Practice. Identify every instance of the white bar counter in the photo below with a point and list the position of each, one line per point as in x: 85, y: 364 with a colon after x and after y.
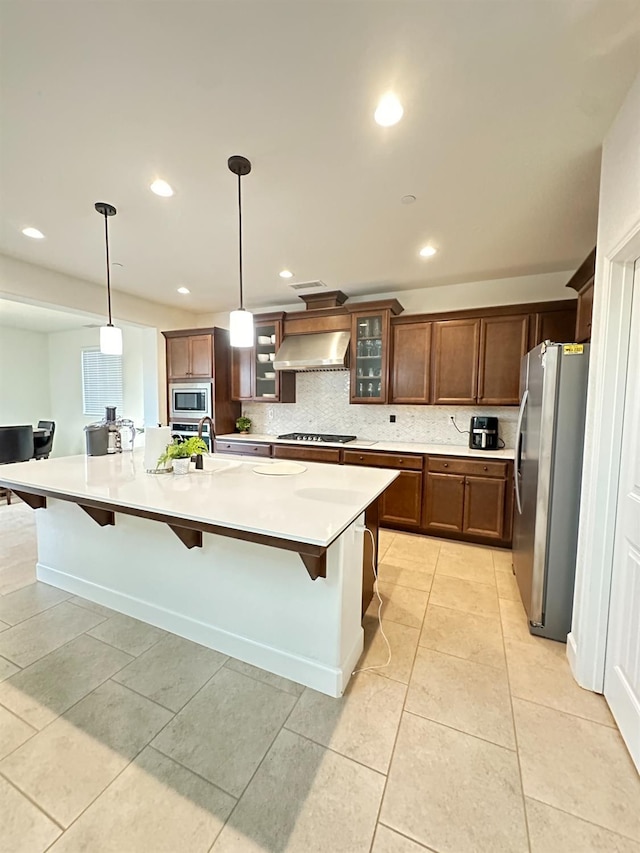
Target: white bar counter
x: 112, y: 533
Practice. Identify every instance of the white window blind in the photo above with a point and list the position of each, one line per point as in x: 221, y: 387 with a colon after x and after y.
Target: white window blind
x: 101, y: 381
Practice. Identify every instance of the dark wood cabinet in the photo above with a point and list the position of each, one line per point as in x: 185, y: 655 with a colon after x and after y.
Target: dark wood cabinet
x: 468, y: 497
x: 585, y: 312
x: 444, y: 504
x: 190, y: 357
x: 582, y: 282
x: 370, y: 356
x: 454, y: 361
x: 204, y: 354
x: 307, y: 454
x: 503, y: 342
x: 242, y: 448
x: 558, y: 326
x: 402, y: 500
x: 484, y: 507
x: 253, y: 376
x: 411, y: 363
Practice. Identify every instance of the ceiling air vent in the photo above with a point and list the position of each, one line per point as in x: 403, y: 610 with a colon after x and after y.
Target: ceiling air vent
x: 307, y: 285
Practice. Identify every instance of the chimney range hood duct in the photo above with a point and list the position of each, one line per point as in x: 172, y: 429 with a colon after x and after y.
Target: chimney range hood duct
x: 322, y: 351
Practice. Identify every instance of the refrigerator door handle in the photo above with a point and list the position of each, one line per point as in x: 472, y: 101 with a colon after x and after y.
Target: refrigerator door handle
x: 518, y: 465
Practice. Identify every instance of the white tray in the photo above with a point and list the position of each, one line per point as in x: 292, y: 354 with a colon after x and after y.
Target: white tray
x: 280, y: 468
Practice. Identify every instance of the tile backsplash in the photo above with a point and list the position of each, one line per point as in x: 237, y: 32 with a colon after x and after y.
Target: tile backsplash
x: 323, y: 406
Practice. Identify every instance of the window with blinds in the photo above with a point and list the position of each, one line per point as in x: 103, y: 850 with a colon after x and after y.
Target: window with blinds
x: 101, y: 381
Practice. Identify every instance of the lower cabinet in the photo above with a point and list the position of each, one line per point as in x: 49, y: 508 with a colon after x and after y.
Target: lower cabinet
x: 242, y: 448
x: 469, y: 498
x: 402, y: 501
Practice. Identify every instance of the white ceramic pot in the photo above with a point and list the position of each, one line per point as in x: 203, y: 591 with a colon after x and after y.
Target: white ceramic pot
x: 181, y: 466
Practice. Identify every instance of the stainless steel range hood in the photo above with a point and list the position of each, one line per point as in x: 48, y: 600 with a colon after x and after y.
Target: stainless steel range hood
x: 322, y: 351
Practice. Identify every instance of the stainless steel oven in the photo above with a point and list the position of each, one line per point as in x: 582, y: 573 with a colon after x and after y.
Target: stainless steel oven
x: 192, y: 400
x: 190, y: 430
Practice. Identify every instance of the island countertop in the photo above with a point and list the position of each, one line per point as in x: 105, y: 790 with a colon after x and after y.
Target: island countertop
x: 313, y: 507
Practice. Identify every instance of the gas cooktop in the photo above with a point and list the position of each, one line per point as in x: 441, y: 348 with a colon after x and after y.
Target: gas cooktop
x: 318, y: 436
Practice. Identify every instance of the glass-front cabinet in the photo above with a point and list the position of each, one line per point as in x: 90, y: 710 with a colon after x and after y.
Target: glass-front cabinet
x: 369, y: 357
x: 253, y: 376
x: 266, y: 344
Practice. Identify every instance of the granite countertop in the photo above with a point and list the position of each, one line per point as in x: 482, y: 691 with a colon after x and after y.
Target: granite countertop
x: 422, y: 448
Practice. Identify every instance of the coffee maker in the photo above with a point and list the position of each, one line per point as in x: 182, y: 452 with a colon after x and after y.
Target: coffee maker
x: 483, y: 433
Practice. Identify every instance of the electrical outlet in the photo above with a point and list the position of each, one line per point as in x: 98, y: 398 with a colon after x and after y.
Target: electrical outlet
x: 392, y: 419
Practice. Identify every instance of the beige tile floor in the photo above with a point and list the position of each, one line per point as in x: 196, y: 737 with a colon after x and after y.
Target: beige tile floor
x: 116, y: 736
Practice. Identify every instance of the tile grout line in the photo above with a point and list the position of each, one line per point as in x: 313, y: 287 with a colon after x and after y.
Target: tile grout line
x: 515, y: 732
x: 261, y: 762
x: 511, y: 749
x: 585, y: 820
x: 402, y: 712
x: 38, y: 612
x: 35, y: 804
x: 259, y: 680
x: 612, y: 728
x: 408, y: 837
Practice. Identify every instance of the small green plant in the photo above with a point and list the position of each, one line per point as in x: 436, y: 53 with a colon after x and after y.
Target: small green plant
x: 243, y: 424
x: 183, y: 449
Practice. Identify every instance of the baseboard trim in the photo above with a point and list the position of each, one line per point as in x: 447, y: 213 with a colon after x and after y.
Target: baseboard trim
x: 330, y: 680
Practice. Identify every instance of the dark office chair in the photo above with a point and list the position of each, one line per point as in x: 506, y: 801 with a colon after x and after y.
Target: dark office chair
x: 43, y: 443
x: 16, y: 445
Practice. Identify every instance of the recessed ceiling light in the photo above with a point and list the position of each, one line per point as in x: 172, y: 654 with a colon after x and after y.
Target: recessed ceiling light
x: 407, y: 199
x: 160, y: 187
x: 286, y: 274
x: 33, y: 232
x: 427, y: 251
x: 389, y: 110
x: 183, y: 290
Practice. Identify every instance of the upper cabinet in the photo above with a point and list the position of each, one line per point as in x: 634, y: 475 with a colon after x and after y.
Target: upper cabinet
x: 558, y: 326
x: 411, y: 363
x: 582, y: 281
x: 189, y: 356
x: 370, y: 356
x: 454, y: 361
x: 503, y: 342
x: 253, y: 376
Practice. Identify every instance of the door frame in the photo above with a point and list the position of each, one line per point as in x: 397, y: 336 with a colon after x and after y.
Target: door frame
x: 611, y: 329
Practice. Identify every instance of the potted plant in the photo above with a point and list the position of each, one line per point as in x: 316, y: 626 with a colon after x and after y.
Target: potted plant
x: 243, y: 425
x: 179, y: 452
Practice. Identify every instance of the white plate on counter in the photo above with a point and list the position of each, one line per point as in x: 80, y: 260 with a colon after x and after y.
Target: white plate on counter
x: 280, y: 468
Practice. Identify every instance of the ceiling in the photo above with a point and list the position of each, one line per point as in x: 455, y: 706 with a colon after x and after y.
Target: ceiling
x: 506, y: 106
x: 36, y: 318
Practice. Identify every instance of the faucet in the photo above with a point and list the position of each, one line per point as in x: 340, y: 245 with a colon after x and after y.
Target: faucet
x: 212, y: 438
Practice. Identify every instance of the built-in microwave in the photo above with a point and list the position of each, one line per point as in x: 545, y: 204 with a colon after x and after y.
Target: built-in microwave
x: 192, y: 400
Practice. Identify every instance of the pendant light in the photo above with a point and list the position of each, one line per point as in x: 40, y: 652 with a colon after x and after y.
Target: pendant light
x: 110, y: 335
x: 240, y: 321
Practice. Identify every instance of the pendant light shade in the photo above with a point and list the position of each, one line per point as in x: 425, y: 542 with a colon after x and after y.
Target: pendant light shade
x: 110, y: 335
x: 241, y: 328
x: 110, y: 340
x: 240, y: 321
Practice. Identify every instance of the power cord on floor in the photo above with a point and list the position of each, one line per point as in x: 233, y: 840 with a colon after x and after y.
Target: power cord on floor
x: 374, y: 564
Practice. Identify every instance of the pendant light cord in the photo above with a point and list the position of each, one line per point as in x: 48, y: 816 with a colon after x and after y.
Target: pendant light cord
x: 106, y: 237
x: 240, y: 240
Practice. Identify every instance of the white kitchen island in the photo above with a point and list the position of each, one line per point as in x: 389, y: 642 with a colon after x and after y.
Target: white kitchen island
x: 267, y: 569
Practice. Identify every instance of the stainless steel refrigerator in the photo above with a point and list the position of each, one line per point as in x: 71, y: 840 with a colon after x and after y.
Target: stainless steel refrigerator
x: 548, y: 474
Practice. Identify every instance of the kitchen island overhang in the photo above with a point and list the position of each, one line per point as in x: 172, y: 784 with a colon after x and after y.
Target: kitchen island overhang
x: 116, y: 535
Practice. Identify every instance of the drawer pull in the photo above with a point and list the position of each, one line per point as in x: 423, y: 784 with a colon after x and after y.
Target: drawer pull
x: 445, y: 464
x: 484, y: 468
x: 361, y: 457
x: 400, y: 461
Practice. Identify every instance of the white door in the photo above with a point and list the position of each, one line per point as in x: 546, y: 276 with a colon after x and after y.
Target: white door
x: 622, y: 666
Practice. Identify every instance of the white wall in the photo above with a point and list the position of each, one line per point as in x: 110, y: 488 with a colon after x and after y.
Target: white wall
x: 618, y: 222
x: 31, y: 283
x: 451, y: 297
x: 24, y: 377
x: 65, y: 382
